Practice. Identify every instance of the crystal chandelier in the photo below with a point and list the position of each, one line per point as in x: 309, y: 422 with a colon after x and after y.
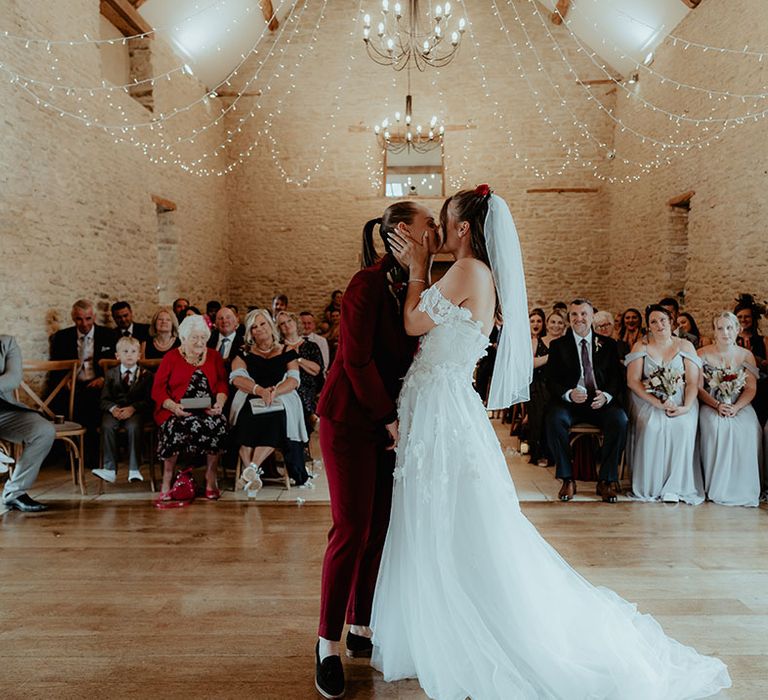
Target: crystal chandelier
x: 400, y: 134
x: 400, y: 38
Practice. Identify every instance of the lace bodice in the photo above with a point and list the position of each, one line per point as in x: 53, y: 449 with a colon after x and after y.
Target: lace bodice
x: 454, y: 345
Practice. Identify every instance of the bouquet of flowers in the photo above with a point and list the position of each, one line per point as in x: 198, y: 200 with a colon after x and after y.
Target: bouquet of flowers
x: 663, y: 382
x: 725, y: 384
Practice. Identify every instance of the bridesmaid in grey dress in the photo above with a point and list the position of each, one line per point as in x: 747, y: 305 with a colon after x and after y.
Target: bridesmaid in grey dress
x: 729, y: 432
x: 661, y: 445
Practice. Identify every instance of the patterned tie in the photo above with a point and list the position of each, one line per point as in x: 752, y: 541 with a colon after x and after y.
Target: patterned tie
x: 589, y: 375
x: 127, y: 378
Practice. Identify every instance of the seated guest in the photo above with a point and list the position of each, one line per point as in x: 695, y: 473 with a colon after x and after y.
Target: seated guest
x: 585, y: 380
x: 749, y: 312
x: 125, y: 403
x: 663, y: 375
x: 617, y: 319
x: 88, y: 343
x: 336, y: 296
x: 226, y: 337
x: 560, y: 307
x: 240, y: 325
x: 266, y: 411
x: 180, y: 306
x: 310, y: 362
x: 689, y: 328
x: 671, y: 305
x: 539, y: 401
x: 729, y: 432
x: 163, y: 334
x: 194, y: 371
x: 192, y: 311
x: 332, y: 334
x: 555, y: 327
x: 211, y: 309
x: 24, y: 426
x: 122, y: 315
x: 279, y: 303
x: 631, y: 331
x: 602, y: 324
x: 309, y: 331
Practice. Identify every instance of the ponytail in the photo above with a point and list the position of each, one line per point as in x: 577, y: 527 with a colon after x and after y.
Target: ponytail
x: 370, y: 256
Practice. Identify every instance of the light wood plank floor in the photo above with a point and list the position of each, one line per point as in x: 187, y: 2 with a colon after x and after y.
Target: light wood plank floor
x: 219, y: 600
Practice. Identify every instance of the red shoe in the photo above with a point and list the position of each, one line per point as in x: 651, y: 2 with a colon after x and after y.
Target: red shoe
x: 213, y: 494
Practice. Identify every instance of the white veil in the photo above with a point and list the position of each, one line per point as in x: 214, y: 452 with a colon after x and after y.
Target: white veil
x: 513, y: 369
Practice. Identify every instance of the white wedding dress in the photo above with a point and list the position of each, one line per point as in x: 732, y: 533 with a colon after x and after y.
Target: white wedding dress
x: 470, y: 599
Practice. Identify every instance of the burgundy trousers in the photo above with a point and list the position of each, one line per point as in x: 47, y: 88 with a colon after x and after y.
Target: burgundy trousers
x: 359, y: 471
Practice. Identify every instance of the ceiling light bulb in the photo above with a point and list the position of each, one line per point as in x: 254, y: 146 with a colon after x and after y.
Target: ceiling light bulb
x: 455, y: 38
x: 367, y: 20
x: 397, y: 116
x: 462, y: 24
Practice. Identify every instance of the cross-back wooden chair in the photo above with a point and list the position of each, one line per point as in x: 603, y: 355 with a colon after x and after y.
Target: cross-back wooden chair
x: 149, y: 426
x: 71, y: 433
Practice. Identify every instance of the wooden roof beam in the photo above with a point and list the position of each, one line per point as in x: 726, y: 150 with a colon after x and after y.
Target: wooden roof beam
x: 693, y: 4
x: 124, y: 17
x: 269, y: 15
x: 580, y: 190
x: 561, y: 11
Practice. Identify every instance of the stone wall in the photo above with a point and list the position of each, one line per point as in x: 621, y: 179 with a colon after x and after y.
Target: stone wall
x: 76, y: 214
x: 727, y: 239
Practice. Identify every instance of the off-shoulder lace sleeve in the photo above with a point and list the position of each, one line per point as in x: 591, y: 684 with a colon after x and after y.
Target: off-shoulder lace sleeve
x: 751, y: 368
x: 634, y: 356
x: 436, y: 306
x: 692, y: 357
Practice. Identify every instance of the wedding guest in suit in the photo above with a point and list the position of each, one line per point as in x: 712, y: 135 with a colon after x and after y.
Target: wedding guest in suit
x: 309, y: 331
x: 310, y: 362
x: 585, y: 380
x: 125, y: 403
x: 556, y: 326
x: 358, y: 431
x: 163, y: 334
x: 730, y: 438
x: 539, y: 401
x: 663, y: 375
x: 194, y: 371
x: 226, y: 337
x: 22, y: 425
x: 602, y: 324
x: 122, y: 315
x: 88, y: 343
x: 268, y: 372
x: 631, y: 331
x: 180, y: 307
x: 279, y: 303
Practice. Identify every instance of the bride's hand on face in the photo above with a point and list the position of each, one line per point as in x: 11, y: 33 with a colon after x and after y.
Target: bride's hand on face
x: 409, y: 253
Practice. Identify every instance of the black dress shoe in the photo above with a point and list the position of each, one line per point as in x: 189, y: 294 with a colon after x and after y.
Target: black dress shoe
x: 25, y: 503
x: 329, y: 675
x: 358, y: 646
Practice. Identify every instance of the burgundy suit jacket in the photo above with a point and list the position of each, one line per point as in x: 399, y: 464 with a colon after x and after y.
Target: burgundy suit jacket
x: 373, y: 355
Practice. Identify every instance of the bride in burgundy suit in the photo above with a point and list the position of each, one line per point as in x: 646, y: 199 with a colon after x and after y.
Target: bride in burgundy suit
x: 358, y: 431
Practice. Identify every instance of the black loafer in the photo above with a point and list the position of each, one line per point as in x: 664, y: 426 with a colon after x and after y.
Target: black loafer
x: 329, y: 675
x: 358, y: 647
x: 26, y: 503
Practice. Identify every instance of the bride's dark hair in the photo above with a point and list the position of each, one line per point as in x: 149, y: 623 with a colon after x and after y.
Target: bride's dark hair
x: 399, y: 212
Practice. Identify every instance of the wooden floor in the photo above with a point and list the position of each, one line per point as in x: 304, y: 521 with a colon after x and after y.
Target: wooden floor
x: 220, y: 600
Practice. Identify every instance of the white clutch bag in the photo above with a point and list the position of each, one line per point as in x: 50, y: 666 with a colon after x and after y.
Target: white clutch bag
x: 193, y: 404
x: 258, y: 406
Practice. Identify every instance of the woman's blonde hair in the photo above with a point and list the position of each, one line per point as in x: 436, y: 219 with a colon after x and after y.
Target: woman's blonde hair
x: 291, y: 316
x: 249, y: 321
x: 174, y: 321
x: 729, y: 317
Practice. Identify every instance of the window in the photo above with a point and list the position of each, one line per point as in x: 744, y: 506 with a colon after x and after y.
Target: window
x: 412, y: 174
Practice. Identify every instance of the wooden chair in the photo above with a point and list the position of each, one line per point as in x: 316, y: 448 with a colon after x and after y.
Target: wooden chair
x: 71, y: 433
x: 579, y: 430
x: 149, y: 429
x: 239, y: 469
x: 10, y: 449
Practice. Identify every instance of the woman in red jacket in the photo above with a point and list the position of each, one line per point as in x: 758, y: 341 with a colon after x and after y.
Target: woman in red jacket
x: 358, y: 430
x: 193, y: 371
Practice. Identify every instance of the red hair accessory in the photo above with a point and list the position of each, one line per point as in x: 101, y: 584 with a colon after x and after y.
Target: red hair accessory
x: 483, y: 190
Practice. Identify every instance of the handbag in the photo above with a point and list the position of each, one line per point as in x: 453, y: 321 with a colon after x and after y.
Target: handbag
x: 182, y: 492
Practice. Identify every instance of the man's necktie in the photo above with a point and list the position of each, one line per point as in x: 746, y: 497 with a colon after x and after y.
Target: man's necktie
x: 127, y: 378
x: 589, y: 375
x: 223, y: 346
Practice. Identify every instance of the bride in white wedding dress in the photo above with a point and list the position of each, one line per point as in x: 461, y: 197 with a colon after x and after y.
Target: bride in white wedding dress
x: 470, y: 599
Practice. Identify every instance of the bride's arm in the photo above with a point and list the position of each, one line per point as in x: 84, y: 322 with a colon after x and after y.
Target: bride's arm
x: 415, y: 258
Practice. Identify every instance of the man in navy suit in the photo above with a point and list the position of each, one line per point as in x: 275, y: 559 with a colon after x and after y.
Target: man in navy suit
x: 125, y: 326
x: 586, y: 382
x: 87, y: 343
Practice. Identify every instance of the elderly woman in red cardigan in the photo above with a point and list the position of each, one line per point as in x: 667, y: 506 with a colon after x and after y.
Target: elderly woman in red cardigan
x: 193, y: 371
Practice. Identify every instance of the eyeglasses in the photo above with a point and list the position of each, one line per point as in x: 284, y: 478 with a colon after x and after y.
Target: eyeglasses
x: 607, y: 324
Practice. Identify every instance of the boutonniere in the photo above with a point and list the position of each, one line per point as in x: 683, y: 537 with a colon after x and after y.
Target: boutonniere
x: 598, y: 344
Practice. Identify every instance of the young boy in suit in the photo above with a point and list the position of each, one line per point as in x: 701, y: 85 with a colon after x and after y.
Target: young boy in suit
x: 125, y: 402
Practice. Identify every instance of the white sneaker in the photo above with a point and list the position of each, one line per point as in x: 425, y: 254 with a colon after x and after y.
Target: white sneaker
x: 105, y: 474
x: 135, y: 476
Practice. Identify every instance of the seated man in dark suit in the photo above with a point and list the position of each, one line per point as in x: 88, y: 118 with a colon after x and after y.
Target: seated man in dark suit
x: 226, y: 337
x: 22, y: 425
x: 586, y: 382
x: 125, y: 326
x: 88, y: 343
x: 125, y: 402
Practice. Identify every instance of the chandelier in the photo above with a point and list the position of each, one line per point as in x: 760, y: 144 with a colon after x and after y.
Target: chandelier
x: 400, y: 134
x: 400, y: 39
